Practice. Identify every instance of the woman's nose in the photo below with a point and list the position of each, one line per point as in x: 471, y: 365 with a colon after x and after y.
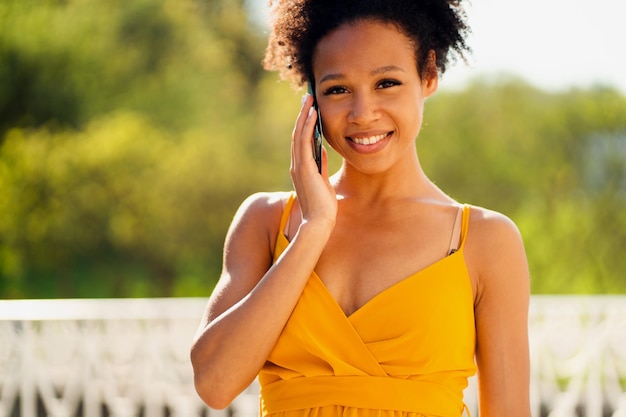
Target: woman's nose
x: 363, y: 109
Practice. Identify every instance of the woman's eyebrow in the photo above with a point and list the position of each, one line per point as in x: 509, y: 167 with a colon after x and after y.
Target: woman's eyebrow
x: 375, y: 71
x: 386, y: 68
x: 332, y: 77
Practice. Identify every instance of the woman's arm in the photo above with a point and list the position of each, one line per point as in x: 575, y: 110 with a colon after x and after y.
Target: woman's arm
x: 501, y: 313
x: 251, y: 303
x: 253, y: 298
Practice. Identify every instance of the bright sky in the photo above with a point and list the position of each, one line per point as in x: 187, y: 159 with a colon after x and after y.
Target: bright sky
x: 553, y: 44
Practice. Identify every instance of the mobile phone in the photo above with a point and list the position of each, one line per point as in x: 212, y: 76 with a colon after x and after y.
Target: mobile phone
x: 318, y: 135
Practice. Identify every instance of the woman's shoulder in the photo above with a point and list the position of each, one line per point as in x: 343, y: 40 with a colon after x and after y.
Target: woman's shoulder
x: 261, y: 203
x: 254, y: 228
x: 494, y: 246
x: 491, y: 232
x: 489, y: 222
x: 262, y: 208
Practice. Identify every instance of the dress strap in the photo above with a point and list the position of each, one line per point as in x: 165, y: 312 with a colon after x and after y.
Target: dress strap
x: 284, y: 219
x: 459, y: 232
x: 467, y: 209
x: 456, y: 233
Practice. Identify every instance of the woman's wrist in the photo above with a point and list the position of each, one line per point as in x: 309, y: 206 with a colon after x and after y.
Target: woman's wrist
x: 316, y: 230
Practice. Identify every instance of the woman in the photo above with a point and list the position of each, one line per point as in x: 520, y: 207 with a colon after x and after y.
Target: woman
x: 370, y: 292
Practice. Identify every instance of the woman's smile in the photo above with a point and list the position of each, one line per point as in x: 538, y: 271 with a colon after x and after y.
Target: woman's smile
x: 369, y: 144
x: 369, y: 140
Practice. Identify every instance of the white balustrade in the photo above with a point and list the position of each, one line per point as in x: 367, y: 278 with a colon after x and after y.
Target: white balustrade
x: 130, y: 358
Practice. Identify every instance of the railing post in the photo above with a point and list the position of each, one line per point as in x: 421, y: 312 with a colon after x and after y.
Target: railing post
x: 91, y: 389
x: 28, y: 398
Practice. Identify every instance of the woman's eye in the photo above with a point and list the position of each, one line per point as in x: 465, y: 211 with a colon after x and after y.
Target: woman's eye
x: 335, y: 90
x: 388, y: 83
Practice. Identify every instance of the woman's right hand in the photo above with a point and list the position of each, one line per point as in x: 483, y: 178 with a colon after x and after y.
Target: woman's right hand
x: 316, y: 195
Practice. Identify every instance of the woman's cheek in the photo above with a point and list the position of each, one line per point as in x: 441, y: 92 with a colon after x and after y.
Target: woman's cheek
x: 331, y: 129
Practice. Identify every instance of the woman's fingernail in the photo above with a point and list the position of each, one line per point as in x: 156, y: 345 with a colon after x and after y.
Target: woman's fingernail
x: 304, y: 97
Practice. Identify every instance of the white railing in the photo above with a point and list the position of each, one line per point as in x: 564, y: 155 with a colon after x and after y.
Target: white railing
x: 129, y: 358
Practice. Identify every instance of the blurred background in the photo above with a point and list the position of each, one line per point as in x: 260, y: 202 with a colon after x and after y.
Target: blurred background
x: 131, y: 131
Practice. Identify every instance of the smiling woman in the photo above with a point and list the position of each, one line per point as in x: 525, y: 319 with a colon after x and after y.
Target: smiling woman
x: 370, y: 291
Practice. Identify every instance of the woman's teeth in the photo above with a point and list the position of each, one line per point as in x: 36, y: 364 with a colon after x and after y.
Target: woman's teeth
x: 369, y: 140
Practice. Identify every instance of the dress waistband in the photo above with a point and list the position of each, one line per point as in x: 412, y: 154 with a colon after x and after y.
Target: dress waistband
x: 378, y: 393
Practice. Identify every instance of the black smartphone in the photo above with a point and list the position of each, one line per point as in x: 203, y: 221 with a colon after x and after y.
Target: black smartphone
x: 318, y: 135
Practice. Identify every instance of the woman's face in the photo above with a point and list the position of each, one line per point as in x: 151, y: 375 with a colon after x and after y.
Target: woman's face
x: 370, y: 94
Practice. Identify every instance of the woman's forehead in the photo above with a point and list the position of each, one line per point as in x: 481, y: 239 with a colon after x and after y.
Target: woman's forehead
x: 372, y: 44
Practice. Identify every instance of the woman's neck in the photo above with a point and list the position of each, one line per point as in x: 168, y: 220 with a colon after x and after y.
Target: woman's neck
x: 405, y: 180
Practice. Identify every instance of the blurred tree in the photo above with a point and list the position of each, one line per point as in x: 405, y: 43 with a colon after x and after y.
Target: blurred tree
x: 142, y: 114
x: 231, y: 22
x: 120, y: 209
x: 68, y: 62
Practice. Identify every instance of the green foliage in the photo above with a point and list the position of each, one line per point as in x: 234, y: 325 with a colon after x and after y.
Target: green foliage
x: 68, y: 62
x: 129, y: 136
x: 131, y: 131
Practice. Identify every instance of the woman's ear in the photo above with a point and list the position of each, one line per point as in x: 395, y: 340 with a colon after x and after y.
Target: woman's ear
x: 430, y: 75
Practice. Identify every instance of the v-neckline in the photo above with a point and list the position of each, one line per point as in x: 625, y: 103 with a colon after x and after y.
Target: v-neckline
x: 383, y: 292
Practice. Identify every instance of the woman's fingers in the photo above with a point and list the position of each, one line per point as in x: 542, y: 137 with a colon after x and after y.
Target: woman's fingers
x: 302, y: 136
x: 325, y: 172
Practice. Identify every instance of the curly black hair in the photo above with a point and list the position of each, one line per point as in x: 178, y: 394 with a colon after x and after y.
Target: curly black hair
x: 298, y: 25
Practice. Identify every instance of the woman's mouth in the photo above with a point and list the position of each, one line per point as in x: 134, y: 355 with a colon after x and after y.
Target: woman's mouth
x: 369, y: 140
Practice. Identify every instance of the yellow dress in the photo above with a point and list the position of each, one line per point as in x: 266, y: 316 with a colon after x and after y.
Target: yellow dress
x: 406, y: 352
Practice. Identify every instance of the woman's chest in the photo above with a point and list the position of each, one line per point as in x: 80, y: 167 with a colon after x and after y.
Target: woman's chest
x: 362, y: 259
